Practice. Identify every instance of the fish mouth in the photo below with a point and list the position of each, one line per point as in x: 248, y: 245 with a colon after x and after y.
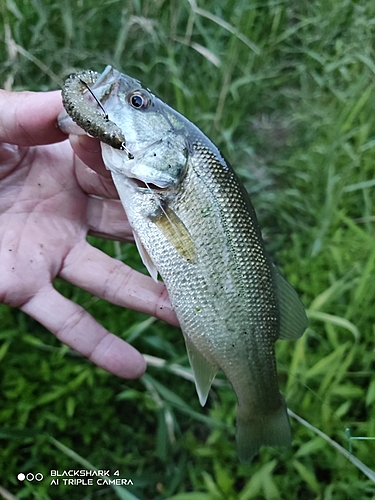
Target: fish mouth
x: 148, y: 186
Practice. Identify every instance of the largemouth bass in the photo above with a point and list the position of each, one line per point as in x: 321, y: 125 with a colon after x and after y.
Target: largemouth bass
x: 194, y: 224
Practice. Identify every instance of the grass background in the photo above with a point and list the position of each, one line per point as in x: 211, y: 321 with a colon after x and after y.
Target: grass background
x: 286, y: 90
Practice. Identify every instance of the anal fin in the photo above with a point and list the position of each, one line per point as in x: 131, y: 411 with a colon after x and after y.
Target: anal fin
x: 204, y: 371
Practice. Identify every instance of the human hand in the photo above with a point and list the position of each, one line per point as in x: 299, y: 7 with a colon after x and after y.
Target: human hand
x: 46, y: 211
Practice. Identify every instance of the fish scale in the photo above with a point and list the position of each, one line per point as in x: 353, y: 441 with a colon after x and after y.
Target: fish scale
x: 194, y: 224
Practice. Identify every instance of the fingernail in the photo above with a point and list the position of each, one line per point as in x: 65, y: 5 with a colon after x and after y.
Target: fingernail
x: 89, y: 144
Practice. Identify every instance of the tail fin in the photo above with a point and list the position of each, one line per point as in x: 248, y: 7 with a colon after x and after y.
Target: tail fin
x: 269, y: 430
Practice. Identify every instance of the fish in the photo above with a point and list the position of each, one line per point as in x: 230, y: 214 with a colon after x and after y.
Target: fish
x: 195, y: 226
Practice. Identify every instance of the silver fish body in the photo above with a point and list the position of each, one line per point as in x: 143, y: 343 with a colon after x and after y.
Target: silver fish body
x: 194, y: 224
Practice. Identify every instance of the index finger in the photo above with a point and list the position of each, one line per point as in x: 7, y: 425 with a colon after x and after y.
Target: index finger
x: 30, y: 118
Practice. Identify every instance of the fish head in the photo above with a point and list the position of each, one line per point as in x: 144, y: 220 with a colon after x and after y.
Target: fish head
x: 157, y: 147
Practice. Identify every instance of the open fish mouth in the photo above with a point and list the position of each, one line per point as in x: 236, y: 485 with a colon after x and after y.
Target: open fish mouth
x: 147, y: 186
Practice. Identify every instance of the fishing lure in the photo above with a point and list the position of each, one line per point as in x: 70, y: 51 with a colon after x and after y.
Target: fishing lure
x: 93, y: 121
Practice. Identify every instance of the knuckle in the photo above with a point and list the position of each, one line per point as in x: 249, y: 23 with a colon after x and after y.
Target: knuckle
x: 71, y: 323
x: 116, y: 283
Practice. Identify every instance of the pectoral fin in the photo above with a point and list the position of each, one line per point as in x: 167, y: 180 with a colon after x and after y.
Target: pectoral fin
x: 293, y: 319
x: 146, y: 259
x: 204, y: 371
x: 176, y: 233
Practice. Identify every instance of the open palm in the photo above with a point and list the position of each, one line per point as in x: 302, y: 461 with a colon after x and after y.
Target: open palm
x: 49, y: 201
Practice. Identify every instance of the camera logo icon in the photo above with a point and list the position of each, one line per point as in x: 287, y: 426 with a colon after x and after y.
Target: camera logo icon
x: 30, y: 476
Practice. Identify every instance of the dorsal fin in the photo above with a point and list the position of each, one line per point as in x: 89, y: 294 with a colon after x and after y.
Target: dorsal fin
x: 293, y: 319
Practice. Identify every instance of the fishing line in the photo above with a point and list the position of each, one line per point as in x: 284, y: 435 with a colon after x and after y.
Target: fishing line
x: 347, y: 453
x: 123, y: 145
x: 96, y: 99
x: 161, y: 206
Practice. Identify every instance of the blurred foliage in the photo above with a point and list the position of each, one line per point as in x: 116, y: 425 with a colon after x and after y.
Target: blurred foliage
x: 285, y: 89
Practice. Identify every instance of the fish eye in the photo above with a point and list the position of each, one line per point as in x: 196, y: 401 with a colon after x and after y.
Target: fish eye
x: 139, y: 100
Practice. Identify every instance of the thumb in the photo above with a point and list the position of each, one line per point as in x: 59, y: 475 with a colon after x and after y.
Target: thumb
x: 30, y: 118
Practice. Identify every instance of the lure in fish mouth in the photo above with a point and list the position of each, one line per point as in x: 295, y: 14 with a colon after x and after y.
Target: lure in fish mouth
x: 194, y: 224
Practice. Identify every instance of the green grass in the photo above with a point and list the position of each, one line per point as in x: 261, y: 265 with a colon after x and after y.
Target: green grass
x: 286, y: 90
